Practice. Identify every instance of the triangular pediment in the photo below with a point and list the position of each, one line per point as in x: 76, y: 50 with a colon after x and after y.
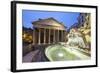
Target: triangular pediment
x: 49, y: 22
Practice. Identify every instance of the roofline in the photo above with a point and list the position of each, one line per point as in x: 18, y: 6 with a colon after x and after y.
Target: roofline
x: 49, y: 18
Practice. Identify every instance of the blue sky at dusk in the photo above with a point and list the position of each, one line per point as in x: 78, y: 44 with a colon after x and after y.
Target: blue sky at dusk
x: 67, y: 18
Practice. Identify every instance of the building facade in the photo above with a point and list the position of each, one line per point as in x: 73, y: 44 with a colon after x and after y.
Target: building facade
x: 48, y: 31
x: 86, y: 29
x: 84, y: 20
x: 27, y: 35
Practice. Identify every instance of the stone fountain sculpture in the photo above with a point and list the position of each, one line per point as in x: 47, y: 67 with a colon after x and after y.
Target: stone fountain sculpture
x: 75, y: 38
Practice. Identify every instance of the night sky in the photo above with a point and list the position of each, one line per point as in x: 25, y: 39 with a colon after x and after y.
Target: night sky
x: 67, y: 18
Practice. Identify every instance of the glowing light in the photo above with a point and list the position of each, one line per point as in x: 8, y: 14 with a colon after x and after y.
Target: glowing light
x: 60, y: 54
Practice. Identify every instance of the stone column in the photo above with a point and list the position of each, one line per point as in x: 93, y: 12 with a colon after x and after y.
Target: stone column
x: 54, y: 36
x: 44, y: 35
x: 39, y: 40
x: 49, y: 35
x: 58, y: 36
x: 34, y: 36
x: 62, y: 35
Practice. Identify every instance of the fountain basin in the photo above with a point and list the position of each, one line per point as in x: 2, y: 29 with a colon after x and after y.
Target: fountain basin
x: 60, y: 53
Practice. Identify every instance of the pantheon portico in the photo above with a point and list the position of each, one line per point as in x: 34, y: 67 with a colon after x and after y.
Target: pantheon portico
x: 48, y: 31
